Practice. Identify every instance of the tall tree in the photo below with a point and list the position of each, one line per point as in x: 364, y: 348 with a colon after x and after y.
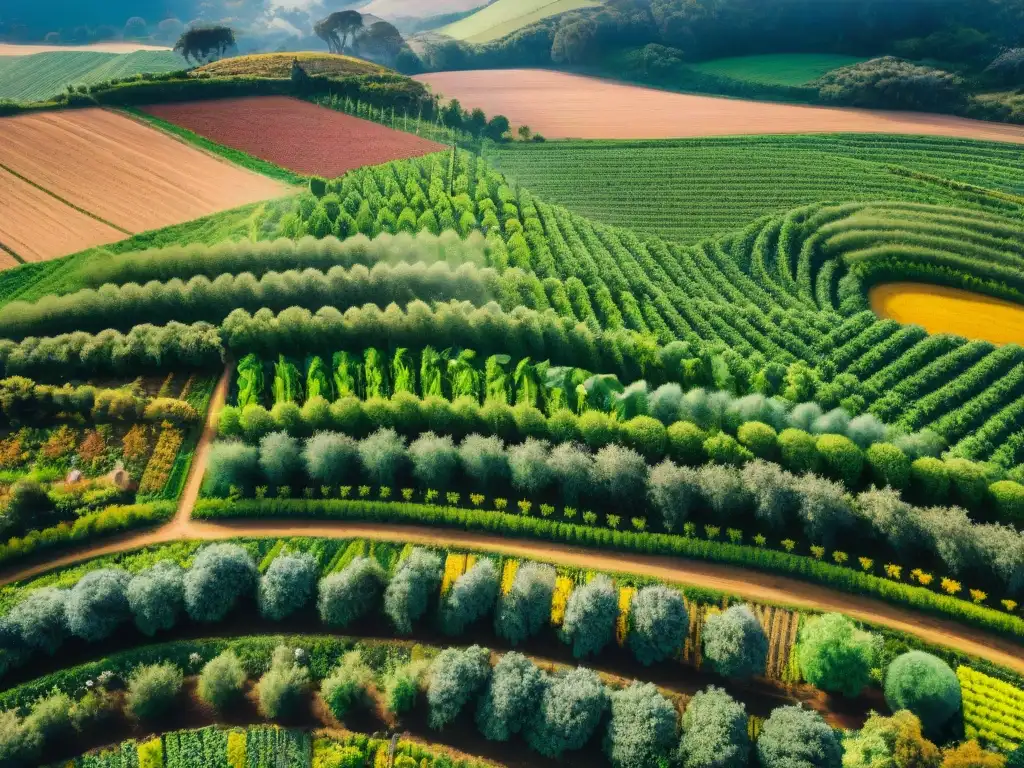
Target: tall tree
x: 205, y: 43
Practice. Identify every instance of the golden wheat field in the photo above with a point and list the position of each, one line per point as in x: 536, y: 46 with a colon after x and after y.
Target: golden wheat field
x: 949, y: 310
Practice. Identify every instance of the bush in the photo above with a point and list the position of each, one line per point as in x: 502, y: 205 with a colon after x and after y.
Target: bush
x: 152, y: 689
x: 841, y: 459
x: 724, y: 450
x: 674, y: 491
x: 528, y: 464
x: 20, y: 744
x: 969, y: 482
x: 573, y: 468
x: 714, y: 732
x: 526, y: 609
x: 471, y: 598
x: 570, y: 711
x: 231, y: 465
x: 970, y: 754
x: 40, y: 620
x: 686, y: 443
x: 287, y: 586
x: 220, y: 576
x: 331, y: 458
x: 457, y: 676
x: 895, y: 740
x: 402, y: 687
x: 1009, y: 499
x: 658, y: 624
x: 590, y: 615
x: 760, y: 439
x: 597, y: 429
x: 283, y: 686
x: 646, y: 435
x: 834, y: 655
x: 50, y: 716
x: 793, y: 737
x: 735, y: 644
x: 888, y: 465
x: 621, y: 473
x: 924, y: 685
x: 408, y: 595
x: 347, y: 686
x: 723, y: 490
x: 434, y: 460
x: 642, y: 729
x: 351, y: 593
x: 825, y: 509
x: 511, y: 699
x: 222, y: 681
x: 156, y: 597
x: 484, y: 461
x: 773, y: 493
x: 384, y: 456
x: 929, y: 480
x: 799, y: 451
x: 97, y: 604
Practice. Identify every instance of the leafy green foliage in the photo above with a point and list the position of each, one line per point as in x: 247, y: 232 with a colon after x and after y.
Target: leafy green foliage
x: 925, y: 685
x: 735, y: 644
x: 658, y: 624
x: 834, y: 655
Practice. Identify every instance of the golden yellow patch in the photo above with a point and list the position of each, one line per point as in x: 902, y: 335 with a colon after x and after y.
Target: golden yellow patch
x: 950, y: 310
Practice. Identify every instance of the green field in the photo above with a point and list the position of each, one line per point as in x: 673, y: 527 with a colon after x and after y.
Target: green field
x: 506, y: 16
x: 42, y: 76
x: 686, y: 190
x: 776, y: 68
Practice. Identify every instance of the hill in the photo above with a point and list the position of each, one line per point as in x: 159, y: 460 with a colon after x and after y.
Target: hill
x: 42, y: 76
x: 504, y: 17
x: 280, y: 65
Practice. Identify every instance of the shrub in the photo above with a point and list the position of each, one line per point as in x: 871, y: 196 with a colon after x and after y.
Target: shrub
x: 723, y: 490
x: 929, y: 480
x: 347, y: 686
x: 333, y: 755
x: 50, y: 716
x: 484, y: 461
x: 888, y: 465
x: 457, y: 676
x: 735, y: 644
x: 834, y: 655
x: 222, y: 681
x: 968, y: 481
x: 597, y: 429
x: 895, y: 740
x: 1009, y: 499
x: 525, y: 610
x: 825, y: 508
x: 351, y: 593
x: 793, y: 737
x: 255, y: 422
x: 231, y: 464
x: 686, y: 443
x: 724, y: 450
x: 20, y: 744
x: 408, y: 595
x: 220, y: 576
x: 384, y: 456
x: 573, y: 469
x: 646, y: 435
x: 799, y: 451
x: 511, y: 699
x: 621, y: 473
x: 714, y: 732
x: 287, y: 586
x: 658, y: 624
x: 528, y: 464
x: 773, y: 493
x: 434, y: 460
x: 152, y: 689
x: 924, y: 685
x: 156, y: 597
x: 674, y: 491
x: 760, y: 439
x: 642, y: 729
x: 402, y: 686
x: 471, y: 598
x: 570, y: 711
x: 971, y: 755
x: 97, y: 604
x: 331, y: 458
x: 39, y: 620
x: 841, y: 459
x: 590, y: 615
x: 283, y: 686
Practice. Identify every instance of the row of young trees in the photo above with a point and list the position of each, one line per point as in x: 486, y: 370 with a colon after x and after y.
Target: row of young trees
x: 615, y: 478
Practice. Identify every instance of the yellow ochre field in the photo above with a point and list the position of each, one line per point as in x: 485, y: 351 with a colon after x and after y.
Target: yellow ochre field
x: 950, y: 310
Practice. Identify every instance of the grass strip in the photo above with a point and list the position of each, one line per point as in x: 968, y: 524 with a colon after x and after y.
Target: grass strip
x: 68, y: 203
x: 235, y: 156
x: 509, y: 525
x: 12, y: 253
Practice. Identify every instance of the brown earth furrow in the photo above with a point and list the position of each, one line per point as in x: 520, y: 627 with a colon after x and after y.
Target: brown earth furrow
x: 124, y: 172
x: 561, y: 105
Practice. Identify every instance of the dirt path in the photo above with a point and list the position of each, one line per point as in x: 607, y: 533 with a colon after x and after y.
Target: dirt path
x: 742, y: 582
x: 559, y: 106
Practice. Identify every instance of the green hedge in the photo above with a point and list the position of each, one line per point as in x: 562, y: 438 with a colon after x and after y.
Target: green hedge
x: 845, y: 579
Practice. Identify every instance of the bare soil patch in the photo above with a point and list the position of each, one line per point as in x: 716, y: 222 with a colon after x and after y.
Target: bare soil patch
x: 561, y: 105
x: 17, y: 49
x: 294, y: 134
x: 37, y: 226
x: 124, y: 172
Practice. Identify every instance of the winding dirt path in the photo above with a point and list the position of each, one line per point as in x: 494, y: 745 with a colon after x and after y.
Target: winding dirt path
x: 742, y: 582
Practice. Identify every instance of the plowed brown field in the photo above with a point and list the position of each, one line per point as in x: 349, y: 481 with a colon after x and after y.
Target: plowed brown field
x: 561, y: 106
x: 294, y: 134
x: 124, y: 172
x: 37, y: 226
